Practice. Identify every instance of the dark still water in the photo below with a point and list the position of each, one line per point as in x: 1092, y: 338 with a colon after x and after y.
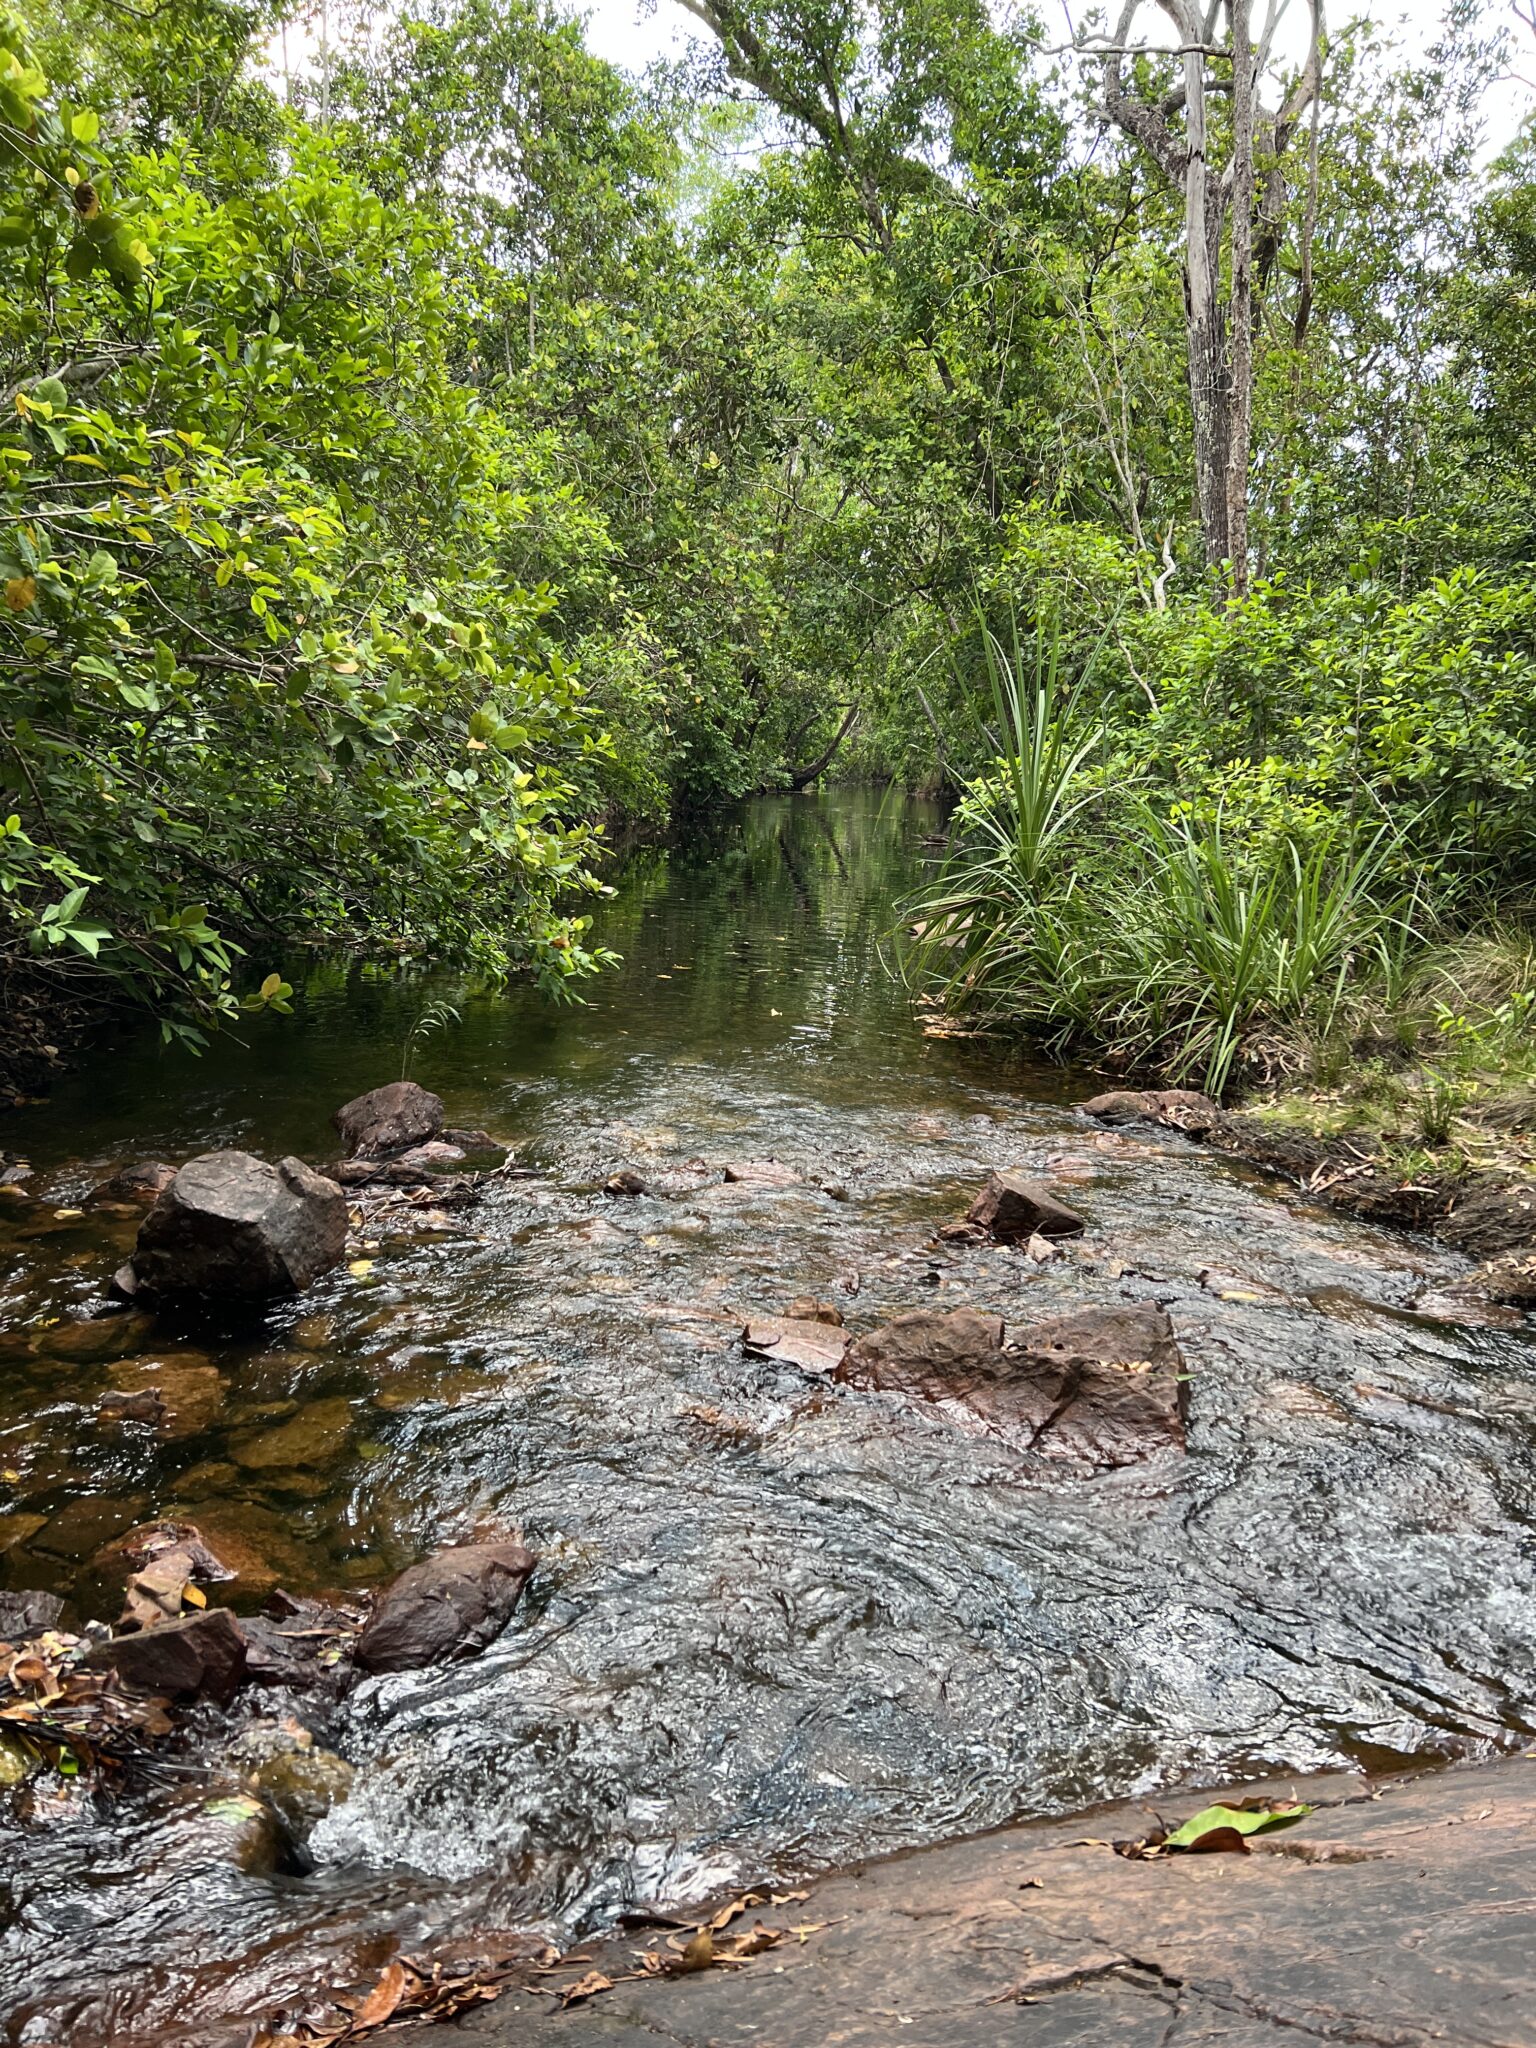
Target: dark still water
x: 777, y: 1624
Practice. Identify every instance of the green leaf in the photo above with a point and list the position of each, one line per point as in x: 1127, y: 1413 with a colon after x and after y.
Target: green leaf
x: 1253, y: 1817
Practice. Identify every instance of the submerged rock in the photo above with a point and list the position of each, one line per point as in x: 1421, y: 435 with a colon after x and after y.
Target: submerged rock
x: 196, y: 1656
x: 97, y: 1341
x: 319, y: 1432
x: 1013, y: 1209
x: 1104, y: 1386
x: 231, y: 1227
x: 302, y: 1786
x: 388, y: 1120
x: 450, y: 1605
x: 140, y: 1184
x: 1176, y: 1109
x: 762, y: 1173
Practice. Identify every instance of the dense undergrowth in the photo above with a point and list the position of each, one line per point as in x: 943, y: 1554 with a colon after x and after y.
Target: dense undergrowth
x: 420, y: 461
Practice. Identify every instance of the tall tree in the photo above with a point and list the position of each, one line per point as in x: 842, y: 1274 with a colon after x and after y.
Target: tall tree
x: 1218, y: 57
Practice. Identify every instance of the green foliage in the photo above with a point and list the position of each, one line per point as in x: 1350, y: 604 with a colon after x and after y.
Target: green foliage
x: 269, y: 670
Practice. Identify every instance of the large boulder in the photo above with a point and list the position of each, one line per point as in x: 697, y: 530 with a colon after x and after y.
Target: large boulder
x: 1102, y: 1387
x: 196, y: 1656
x: 450, y: 1605
x: 231, y: 1227
x: 389, y: 1120
x: 1013, y: 1210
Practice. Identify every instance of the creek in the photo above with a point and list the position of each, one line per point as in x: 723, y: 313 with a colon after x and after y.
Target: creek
x: 777, y: 1625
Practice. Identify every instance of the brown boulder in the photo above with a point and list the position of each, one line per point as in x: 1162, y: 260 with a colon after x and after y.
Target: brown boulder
x: 1013, y: 1210
x: 1108, y: 1385
x: 1103, y: 1387
x: 939, y: 1357
x: 388, y: 1120
x: 230, y: 1227
x: 196, y: 1656
x: 1176, y: 1109
x: 450, y: 1605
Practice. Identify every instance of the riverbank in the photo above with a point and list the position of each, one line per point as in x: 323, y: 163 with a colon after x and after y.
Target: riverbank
x: 1398, y: 1913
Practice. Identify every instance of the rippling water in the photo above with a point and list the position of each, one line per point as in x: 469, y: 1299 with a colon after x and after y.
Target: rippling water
x: 776, y: 1625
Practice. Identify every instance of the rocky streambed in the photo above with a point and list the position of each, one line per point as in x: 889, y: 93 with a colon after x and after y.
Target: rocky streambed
x: 849, y: 1523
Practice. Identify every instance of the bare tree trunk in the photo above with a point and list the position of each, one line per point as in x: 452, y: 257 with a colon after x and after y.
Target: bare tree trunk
x: 1240, y: 343
x: 1219, y: 332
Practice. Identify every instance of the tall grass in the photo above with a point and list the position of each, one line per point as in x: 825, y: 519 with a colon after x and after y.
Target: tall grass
x: 1165, y: 940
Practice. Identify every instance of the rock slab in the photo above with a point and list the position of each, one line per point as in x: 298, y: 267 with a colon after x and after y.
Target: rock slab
x: 450, y: 1605
x: 232, y: 1227
x: 196, y: 1656
x: 1014, y: 1209
x: 388, y: 1120
x: 1102, y: 1387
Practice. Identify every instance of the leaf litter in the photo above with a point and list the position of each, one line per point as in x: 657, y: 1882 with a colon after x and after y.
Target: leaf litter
x: 414, y: 1991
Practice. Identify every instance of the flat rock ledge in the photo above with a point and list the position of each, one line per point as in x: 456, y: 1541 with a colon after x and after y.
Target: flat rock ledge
x: 1399, y: 1913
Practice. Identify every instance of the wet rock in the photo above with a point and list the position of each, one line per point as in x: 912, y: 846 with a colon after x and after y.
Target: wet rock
x: 1236, y: 1286
x: 388, y: 1120
x: 154, y: 1564
x: 258, y: 1545
x: 1467, y: 1306
x: 450, y: 1605
x: 1041, y: 1251
x: 228, y: 1825
x: 762, y: 1173
x: 196, y: 1656
x: 232, y: 1228
x: 626, y: 1185
x: 1175, y: 1109
x: 1104, y: 1386
x: 1013, y: 1209
x: 97, y: 1341
x: 803, y: 1341
x: 185, y: 1390
x: 82, y: 1525
x: 806, y: 1308
x: 476, y: 1142
x: 302, y: 1786
x: 436, y: 1156
x: 303, y: 1645
x: 1108, y: 1385
x: 319, y: 1432
x: 146, y: 1406
x: 133, y: 1185
x: 27, y: 1614
x: 926, y: 1352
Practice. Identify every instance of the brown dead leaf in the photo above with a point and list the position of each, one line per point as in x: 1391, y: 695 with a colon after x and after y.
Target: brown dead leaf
x: 755, y: 1941
x: 382, y: 2000
x: 584, y: 1988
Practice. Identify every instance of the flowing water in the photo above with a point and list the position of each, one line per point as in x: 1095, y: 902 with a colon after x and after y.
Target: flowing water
x: 777, y: 1625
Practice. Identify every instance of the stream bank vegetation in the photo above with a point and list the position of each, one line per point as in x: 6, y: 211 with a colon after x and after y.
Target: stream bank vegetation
x: 423, y: 461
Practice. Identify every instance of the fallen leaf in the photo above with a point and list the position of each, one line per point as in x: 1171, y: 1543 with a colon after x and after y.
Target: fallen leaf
x: 382, y: 1999
x: 584, y: 1988
x: 1248, y: 1817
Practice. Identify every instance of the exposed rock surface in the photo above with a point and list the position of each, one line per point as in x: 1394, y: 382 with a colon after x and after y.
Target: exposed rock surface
x: 196, y: 1656
x: 804, y: 1341
x: 626, y: 1184
x: 450, y: 1605
x: 1176, y: 1109
x: 1104, y: 1386
x: 762, y: 1173
x: 232, y: 1228
x: 1400, y: 1913
x: 1014, y: 1209
x: 388, y: 1120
